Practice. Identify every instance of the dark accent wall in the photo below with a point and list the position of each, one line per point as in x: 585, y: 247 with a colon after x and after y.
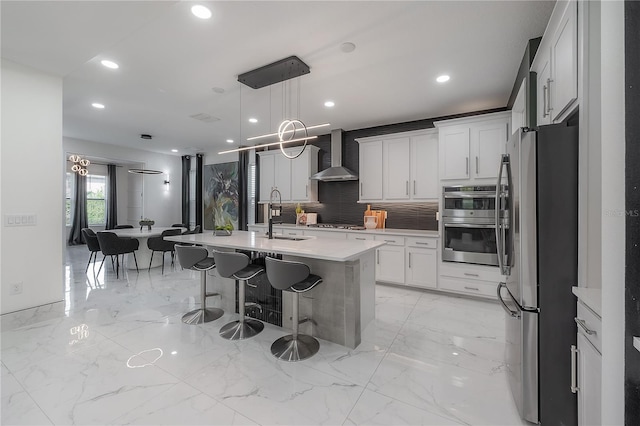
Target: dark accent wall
x: 338, y: 201
x: 632, y: 195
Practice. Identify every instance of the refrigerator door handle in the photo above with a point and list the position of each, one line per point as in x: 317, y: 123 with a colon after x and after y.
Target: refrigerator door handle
x: 514, y: 314
x: 574, y: 369
x: 500, y: 237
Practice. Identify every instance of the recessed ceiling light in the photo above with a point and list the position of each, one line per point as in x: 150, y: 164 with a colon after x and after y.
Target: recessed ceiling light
x: 229, y: 140
x: 110, y: 64
x: 97, y: 105
x: 442, y: 78
x: 253, y: 120
x: 201, y: 11
x: 347, y: 47
x: 219, y: 90
x: 329, y: 104
x: 174, y: 150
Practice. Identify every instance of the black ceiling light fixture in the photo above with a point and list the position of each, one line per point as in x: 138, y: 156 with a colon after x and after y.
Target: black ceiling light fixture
x: 145, y: 172
x: 278, y: 72
x: 145, y: 136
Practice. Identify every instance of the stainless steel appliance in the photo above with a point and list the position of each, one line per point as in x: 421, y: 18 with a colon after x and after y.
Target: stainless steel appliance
x: 469, y: 226
x: 539, y: 259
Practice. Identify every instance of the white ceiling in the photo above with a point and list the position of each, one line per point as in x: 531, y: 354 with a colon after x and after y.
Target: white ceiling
x: 170, y: 61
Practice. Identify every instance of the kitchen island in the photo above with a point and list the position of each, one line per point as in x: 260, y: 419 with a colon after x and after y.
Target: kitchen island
x: 340, y: 308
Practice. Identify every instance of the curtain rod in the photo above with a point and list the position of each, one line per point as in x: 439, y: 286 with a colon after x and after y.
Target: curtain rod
x: 99, y: 164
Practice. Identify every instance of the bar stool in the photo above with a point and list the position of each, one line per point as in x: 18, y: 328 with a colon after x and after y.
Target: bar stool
x: 237, y: 265
x: 197, y: 259
x: 294, y: 277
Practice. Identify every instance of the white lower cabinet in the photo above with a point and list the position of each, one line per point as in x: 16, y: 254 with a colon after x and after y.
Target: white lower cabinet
x: 476, y: 280
x: 421, y: 267
x: 589, y: 366
x: 390, y: 264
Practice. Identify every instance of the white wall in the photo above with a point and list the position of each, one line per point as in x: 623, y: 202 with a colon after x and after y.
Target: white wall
x: 613, y: 225
x: 31, y: 183
x: 160, y: 202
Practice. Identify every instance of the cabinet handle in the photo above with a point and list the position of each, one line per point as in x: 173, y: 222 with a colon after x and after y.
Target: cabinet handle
x: 549, y: 109
x: 306, y: 190
x: 574, y: 367
x: 407, y: 187
x: 389, y: 241
x: 361, y: 189
x: 477, y: 165
x: 472, y: 288
x: 378, y: 257
x: 414, y: 187
x: 421, y: 243
x: 583, y: 325
x: 467, y: 160
x: 544, y: 101
x: 409, y: 259
x: 471, y: 275
x: 358, y: 238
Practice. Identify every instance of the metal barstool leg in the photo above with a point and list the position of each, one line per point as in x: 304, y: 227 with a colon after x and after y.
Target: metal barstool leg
x: 295, y: 347
x: 203, y: 314
x: 244, y: 327
x: 151, y: 260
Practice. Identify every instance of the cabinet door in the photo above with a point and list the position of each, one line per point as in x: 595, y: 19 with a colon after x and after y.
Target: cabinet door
x: 390, y: 264
x: 267, y: 176
x: 396, y: 174
x: 454, y: 153
x: 371, y: 171
x: 564, y: 63
x: 489, y: 143
x: 282, y: 180
x: 424, y: 167
x: 421, y: 267
x: 300, y: 172
x: 542, y: 90
x: 589, y: 381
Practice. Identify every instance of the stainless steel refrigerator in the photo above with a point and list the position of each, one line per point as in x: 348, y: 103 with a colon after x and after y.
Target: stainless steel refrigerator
x: 537, y: 239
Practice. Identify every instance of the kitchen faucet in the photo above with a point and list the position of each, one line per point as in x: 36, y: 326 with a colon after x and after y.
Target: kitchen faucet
x: 273, y: 191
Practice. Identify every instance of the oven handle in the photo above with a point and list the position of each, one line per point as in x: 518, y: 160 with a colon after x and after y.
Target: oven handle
x: 469, y: 225
x: 483, y: 194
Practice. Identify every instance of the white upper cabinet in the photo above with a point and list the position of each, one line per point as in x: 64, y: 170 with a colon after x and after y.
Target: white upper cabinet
x: 399, y: 167
x: 424, y: 167
x: 470, y: 148
x: 289, y: 176
x: 396, y: 156
x: 370, y: 160
x: 556, y: 65
x: 454, y: 153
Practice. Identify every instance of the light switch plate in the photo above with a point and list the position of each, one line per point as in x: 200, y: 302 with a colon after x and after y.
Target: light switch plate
x: 20, y: 220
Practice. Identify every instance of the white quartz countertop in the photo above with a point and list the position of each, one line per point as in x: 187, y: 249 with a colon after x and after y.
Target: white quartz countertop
x: 592, y: 297
x: 385, y: 231
x: 317, y: 248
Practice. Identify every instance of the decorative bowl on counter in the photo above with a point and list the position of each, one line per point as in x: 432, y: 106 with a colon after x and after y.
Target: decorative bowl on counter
x: 146, y: 222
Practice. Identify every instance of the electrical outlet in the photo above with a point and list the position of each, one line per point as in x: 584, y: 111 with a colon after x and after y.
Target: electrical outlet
x: 16, y: 288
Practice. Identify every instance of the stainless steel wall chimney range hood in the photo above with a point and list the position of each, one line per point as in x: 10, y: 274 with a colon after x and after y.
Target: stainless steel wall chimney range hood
x: 336, y: 172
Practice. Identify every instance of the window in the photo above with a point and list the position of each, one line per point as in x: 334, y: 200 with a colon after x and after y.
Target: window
x: 96, y: 203
x: 251, y: 194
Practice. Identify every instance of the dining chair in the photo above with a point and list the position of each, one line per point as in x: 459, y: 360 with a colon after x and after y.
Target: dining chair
x: 112, y: 245
x: 160, y: 244
x: 179, y: 225
x: 93, y: 245
x: 123, y: 226
x: 195, y: 230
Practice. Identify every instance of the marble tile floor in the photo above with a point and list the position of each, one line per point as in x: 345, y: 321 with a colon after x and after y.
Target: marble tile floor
x: 115, y: 352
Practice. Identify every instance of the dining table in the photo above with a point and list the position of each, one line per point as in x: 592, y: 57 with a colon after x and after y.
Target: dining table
x: 143, y: 254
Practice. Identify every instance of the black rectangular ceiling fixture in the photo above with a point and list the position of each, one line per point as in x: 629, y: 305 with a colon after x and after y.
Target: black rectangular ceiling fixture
x: 281, y: 70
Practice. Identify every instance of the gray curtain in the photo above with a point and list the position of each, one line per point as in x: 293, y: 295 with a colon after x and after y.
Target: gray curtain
x: 112, y: 197
x: 80, y: 219
x: 186, y: 168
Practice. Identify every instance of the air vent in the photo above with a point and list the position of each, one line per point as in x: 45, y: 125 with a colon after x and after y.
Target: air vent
x: 205, y: 117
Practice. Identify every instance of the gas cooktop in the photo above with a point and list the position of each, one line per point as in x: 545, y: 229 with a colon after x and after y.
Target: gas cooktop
x: 337, y: 226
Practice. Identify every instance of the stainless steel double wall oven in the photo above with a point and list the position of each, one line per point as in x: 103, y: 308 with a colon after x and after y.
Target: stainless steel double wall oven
x: 469, y: 218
